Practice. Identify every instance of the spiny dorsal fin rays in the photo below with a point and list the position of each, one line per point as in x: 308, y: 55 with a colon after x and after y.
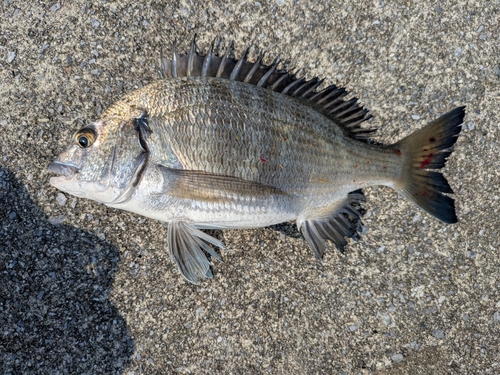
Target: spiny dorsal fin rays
x: 311, y: 82
x: 333, y: 93
x: 207, y: 60
x: 257, y: 64
x: 266, y: 76
x: 236, y: 71
x: 317, y: 83
x: 192, y: 54
x: 329, y: 101
x: 343, y: 107
x: 174, y: 60
x: 278, y: 81
x: 222, y: 64
x: 300, y: 81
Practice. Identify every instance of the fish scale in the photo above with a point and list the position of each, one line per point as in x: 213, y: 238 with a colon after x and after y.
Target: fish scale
x: 262, y: 137
x: 225, y: 143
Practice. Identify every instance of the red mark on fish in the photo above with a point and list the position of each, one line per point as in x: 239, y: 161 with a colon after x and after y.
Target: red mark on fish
x: 263, y: 159
x: 426, y: 161
x: 398, y: 152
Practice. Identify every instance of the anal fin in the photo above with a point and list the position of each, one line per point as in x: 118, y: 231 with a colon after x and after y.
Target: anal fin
x: 188, y: 248
x: 341, y: 223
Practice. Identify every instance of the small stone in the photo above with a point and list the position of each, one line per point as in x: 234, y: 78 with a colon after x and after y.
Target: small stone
x: 458, y: 52
x: 415, y: 117
x: 61, y: 199
x: 353, y: 328
x: 12, y: 215
x: 55, y: 7
x: 95, y: 23
x: 57, y: 220
x: 280, y: 2
x: 397, y: 357
x: 438, y: 333
x: 386, y: 319
x: 496, y: 316
x: 496, y: 70
x: 11, y: 55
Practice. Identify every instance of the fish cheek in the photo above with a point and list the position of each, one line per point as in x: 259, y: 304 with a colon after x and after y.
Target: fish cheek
x: 129, y: 155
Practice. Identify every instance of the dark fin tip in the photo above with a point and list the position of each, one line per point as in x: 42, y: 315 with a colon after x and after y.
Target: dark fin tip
x: 343, y: 222
x: 425, y: 149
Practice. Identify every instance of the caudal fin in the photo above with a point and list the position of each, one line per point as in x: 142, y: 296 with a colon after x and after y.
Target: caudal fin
x: 429, y: 148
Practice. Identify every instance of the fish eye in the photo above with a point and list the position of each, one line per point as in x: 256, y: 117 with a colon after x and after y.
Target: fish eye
x: 85, y: 138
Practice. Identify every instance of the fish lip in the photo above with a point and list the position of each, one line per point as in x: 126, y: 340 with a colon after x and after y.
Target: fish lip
x: 66, y: 170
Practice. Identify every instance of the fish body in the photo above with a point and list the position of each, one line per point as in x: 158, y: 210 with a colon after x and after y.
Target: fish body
x: 224, y: 143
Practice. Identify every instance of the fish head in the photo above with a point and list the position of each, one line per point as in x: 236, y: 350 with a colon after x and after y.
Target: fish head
x: 106, y: 159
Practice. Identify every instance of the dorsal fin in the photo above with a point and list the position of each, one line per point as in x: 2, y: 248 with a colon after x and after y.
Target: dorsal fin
x: 328, y: 101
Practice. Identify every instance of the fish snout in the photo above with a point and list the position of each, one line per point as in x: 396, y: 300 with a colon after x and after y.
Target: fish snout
x: 65, y: 170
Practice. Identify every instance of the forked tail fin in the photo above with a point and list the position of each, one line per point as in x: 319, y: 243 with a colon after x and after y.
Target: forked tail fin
x: 428, y: 148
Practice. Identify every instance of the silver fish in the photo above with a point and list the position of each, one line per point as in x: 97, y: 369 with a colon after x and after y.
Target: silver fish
x: 225, y: 143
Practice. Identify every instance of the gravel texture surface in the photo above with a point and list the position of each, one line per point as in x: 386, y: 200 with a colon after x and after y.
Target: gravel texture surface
x: 86, y: 289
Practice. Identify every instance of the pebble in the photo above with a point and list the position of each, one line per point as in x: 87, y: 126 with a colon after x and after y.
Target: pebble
x: 496, y: 316
x: 397, y: 357
x: 386, y: 319
x: 438, y: 333
x: 11, y: 55
x: 55, y: 7
x: 57, y: 220
x: 61, y: 199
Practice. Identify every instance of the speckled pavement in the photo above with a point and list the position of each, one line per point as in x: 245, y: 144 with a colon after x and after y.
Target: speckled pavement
x: 87, y: 290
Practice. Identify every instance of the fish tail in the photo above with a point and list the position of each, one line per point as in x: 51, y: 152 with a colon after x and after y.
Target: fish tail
x: 426, y: 149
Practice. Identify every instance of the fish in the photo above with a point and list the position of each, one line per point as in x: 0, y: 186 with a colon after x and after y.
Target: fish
x: 224, y: 143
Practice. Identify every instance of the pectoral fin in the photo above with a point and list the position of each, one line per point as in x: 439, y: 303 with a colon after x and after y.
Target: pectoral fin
x: 207, y: 187
x: 188, y: 247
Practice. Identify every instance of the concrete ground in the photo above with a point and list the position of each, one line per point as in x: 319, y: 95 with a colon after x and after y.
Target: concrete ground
x: 86, y: 289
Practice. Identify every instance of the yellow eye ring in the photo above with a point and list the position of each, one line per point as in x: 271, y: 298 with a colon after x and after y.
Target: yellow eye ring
x: 85, y: 138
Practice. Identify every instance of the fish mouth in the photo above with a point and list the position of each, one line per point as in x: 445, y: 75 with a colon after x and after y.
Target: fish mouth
x: 66, y: 170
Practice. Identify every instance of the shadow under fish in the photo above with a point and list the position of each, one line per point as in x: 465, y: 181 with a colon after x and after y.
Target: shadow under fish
x: 56, y: 316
